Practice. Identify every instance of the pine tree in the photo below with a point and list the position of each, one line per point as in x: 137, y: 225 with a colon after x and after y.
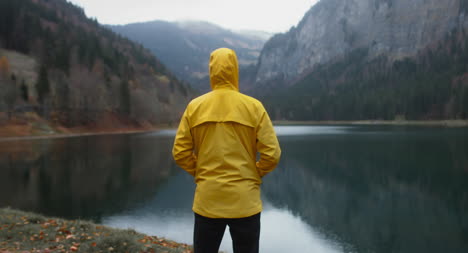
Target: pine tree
x: 42, y: 86
x: 125, y: 98
x: 465, y: 104
x: 24, y: 91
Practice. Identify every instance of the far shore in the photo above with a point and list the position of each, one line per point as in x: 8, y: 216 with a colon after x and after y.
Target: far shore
x: 29, y: 126
x: 124, y: 130
x: 79, y: 134
x: 434, y: 123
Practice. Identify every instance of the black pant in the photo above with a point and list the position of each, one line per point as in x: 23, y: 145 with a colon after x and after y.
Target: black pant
x: 208, y: 233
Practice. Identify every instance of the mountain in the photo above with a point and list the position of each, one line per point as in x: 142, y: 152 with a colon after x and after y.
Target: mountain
x: 72, y: 71
x: 255, y: 34
x: 185, y: 46
x: 369, y: 59
x: 332, y: 28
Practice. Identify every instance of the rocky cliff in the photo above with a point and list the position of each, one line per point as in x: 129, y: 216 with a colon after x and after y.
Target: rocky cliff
x: 332, y: 28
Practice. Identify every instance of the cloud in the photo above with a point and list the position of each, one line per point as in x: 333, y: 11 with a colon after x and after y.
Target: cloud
x: 275, y: 16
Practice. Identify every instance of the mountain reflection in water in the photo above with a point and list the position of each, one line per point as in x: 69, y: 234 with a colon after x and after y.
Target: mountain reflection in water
x: 169, y: 215
x: 83, y: 177
x: 337, y: 189
x: 378, y: 189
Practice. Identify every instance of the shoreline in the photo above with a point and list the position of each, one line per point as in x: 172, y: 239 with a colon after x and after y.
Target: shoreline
x: 68, y: 133
x: 428, y: 123
x: 77, y: 134
x: 31, y: 126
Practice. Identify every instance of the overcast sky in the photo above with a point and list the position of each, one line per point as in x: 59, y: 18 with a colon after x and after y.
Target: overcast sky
x: 265, y: 15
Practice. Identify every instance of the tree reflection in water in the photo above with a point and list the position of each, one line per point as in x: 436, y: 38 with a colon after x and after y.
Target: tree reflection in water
x: 378, y: 189
x: 83, y: 177
x: 373, y: 189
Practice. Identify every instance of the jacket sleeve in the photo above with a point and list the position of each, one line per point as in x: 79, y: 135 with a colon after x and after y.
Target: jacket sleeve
x: 182, y: 150
x: 267, y: 146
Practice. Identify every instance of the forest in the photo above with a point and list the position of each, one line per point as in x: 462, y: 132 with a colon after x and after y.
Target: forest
x: 80, y: 71
x: 431, y: 85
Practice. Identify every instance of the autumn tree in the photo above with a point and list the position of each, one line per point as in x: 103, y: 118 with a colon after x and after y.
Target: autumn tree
x: 4, y: 67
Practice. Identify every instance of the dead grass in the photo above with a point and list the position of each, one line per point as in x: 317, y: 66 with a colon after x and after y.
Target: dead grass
x: 29, y: 232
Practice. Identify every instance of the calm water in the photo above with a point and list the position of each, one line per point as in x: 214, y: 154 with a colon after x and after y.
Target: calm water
x: 337, y: 189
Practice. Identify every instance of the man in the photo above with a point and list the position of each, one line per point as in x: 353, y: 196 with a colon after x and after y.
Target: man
x: 217, y: 142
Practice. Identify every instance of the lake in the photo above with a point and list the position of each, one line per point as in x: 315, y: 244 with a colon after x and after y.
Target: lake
x: 336, y: 189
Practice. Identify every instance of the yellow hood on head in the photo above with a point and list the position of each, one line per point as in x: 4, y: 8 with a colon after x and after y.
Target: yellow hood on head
x: 224, y: 69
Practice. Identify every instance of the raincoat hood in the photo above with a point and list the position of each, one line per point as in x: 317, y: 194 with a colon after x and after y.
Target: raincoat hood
x: 224, y: 69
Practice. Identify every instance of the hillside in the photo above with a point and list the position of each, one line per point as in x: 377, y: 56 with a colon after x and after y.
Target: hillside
x: 185, y: 46
x: 369, y: 59
x: 71, y: 71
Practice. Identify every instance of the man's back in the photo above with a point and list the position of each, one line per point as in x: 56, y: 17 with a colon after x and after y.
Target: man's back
x: 224, y: 126
x: 217, y: 142
x: 227, y: 129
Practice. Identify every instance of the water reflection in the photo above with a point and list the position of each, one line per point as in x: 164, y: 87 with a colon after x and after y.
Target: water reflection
x: 337, y: 189
x: 379, y: 189
x: 169, y: 214
x: 310, y: 130
x: 281, y: 230
x: 82, y: 177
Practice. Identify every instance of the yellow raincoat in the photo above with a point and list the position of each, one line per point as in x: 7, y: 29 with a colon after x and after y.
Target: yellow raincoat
x: 217, y: 142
